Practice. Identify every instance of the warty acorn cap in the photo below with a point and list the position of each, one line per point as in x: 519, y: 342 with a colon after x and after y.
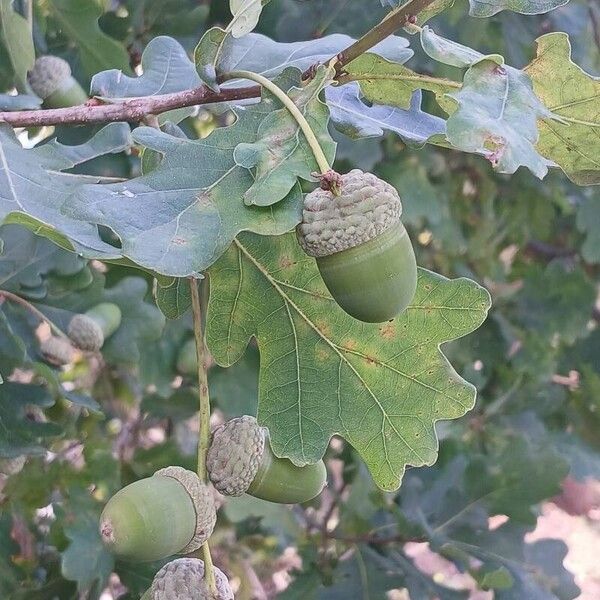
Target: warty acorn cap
x: 235, y: 455
x: 85, y: 333
x: 57, y: 350
x: 48, y: 75
x: 366, y: 207
x: 183, y: 579
x: 203, y: 501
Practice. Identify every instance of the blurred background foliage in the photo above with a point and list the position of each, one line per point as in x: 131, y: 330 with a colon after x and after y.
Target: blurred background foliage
x: 98, y: 425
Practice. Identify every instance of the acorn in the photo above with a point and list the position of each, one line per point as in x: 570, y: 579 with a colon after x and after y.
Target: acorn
x: 172, y: 512
x: 240, y: 460
x: 57, y: 351
x: 187, y: 358
x: 51, y: 79
x: 183, y: 579
x: 352, y: 226
x: 88, y: 331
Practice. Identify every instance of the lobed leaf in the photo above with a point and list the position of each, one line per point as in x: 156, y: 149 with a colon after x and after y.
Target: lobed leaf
x: 78, y: 20
x: 16, y: 35
x: 353, y: 117
x: 381, y: 387
x: 497, y: 110
x: 488, y: 8
x: 385, y: 82
x: 571, y: 140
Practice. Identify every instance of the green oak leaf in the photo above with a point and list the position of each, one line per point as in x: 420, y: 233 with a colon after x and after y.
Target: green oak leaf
x: 180, y: 217
x: 86, y: 560
x: 15, y: 33
x: 246, y: 14
x: 381, y: 387
x: 34, y: 191
x: 29, y: 261
x: 20, y: 434
x: 488, y: 8
x: 78, y: 20
x: 497, y: 110
x: 574, y: 96
x: 173, y: 296
x: 386, y: 82
x: 281, y: 153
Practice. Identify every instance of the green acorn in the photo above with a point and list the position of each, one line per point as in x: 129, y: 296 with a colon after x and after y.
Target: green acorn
x: 52, y: 81
x: 183, y: 579
x: 187, y: 359
x: 88, y: 331
x: 240, y: 460
x: 57, y: 350
x: 362, y: 249
x: 172, y: 512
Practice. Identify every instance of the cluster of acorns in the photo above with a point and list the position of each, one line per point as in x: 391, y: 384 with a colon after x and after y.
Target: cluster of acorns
x: 352, y: 227
x: 174, y: 512
x: 87, y: 332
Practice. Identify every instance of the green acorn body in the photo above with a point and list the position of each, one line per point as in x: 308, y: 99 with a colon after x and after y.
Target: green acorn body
x: 89, y: 331
x: 362, y: 249
x: 240, y: 460
x: 172, y: 512
x: 183, y: 579
x: 52, y: 81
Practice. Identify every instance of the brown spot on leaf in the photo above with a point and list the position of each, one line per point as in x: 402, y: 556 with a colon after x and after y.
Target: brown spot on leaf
x: 285, y: 262
x: 350, y: 345
x: 388, y: 331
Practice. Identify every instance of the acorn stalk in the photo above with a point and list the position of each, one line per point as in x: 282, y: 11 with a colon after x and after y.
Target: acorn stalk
x: 51, y: 79
x: 240, y: 460
x: 172, y: 512
x: 361, y: 247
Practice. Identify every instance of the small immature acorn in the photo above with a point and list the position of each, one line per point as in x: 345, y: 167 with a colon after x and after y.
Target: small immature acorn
x: 52, y: 81
x: 172, y: 512
x: 353, y: 229
x: 57, y: 350
x: 240, y: 460
x: 183, y: 579
x: 88, y: 331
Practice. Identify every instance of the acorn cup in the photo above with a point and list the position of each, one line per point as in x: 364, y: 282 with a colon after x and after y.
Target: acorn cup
x: 172, y: 512
x: 52, y: 81
x: 57, y: 351
x: 183, y: 579
x: 240, y: 460
x: 352, y: 228
x: 88, y: 331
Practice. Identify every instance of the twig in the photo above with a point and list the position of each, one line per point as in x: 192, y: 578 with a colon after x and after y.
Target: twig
x: 204, y: 433
x: 135, y: 109
x: 397, y: 18
x: 32, y: 309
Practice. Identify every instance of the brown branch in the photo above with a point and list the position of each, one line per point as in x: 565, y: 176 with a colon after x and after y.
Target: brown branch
x: 135, y: 109
x: 396, y: 19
